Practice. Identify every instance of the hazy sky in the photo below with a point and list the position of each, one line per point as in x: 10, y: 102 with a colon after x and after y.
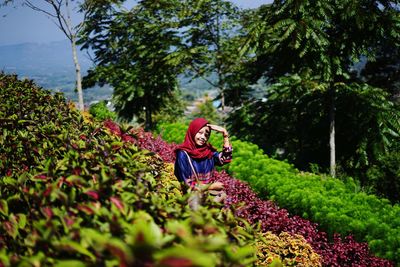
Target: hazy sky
x: 21, y: 24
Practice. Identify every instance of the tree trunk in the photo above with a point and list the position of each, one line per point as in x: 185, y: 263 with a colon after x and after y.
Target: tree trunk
x: 78, y: 74
x: 332, y: 132
x: 222, y: 93
x: 149, y: 120
x: 221, y: 78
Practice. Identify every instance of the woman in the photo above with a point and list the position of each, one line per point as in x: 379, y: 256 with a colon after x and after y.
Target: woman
x: 196, y: 158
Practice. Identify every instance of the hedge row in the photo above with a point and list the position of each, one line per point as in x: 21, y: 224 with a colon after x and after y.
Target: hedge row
x: 337, y: 206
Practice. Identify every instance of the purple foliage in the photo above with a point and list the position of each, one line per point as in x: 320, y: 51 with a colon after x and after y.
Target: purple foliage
x: 144, y: 140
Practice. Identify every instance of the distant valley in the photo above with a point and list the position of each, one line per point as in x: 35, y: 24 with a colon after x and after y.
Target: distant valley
x: 51, y: 66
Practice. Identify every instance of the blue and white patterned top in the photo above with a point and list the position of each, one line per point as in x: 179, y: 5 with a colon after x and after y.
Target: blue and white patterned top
x: 203, y: 167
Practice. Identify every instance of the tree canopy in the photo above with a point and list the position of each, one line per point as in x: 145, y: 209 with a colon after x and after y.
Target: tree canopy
x: 324, y: 39
x: 130, y: 49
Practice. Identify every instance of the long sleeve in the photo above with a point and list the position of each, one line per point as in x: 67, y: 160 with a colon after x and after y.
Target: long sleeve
x: 225, y: 156
x: 182, y: 168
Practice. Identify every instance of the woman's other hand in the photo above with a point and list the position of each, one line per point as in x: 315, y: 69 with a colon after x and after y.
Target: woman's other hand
x: 216, y: 186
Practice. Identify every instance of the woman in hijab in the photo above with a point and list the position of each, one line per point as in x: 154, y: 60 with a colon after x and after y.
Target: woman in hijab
x: 196, y: 158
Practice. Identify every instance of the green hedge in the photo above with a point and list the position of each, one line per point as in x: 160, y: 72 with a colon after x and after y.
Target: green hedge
x: 336, y: 205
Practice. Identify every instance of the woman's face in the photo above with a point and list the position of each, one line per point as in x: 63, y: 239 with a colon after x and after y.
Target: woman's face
x: 202, y: 136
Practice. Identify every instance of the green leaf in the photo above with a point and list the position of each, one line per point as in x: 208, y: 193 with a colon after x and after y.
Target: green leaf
x: 66, y: 244
x: 3, y: 207
x: 104, y: 176
x: 69, y: 263
x: 146, y: 232
x: 76, y: 180
x: 34, y: 260
x: 21, y: 219
x: 179, y: 256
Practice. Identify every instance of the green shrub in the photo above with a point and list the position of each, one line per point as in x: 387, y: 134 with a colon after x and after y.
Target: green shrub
x: 388, y: 166
x: 100, y: 111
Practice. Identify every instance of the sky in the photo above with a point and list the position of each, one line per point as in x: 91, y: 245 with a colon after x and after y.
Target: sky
x: 23, y: 25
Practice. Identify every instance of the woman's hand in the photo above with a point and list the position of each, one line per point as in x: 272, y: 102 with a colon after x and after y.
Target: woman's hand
x: 216, y: 186
x: 218, y: 129
x: 222, y: 130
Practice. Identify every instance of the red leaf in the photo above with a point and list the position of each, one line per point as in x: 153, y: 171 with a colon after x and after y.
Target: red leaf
x: 113, y: 127
x: 77, y: 171
x: 41, y: 177
x: 69, y: 221
x: 10, y: 228
x: 47, y: 212
x: 117, y: 202
x: 85, y: 209
x: 128, y: 138
x: 93, y: 194
x: 61, y: 181
x: 48, y: 191
x: 176, y: 262
x: 116, y: 251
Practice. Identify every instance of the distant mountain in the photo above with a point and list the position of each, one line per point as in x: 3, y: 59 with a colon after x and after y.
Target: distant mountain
x: 51, y: 66
x: 37, y: 57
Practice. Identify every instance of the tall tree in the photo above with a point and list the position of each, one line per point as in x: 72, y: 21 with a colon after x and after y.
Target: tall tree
x: 324, y: 37
x: 208, y: 49
x: 384, y: 71
x: 59, y: 11
x: 290, y: 121
x: 131, y: 49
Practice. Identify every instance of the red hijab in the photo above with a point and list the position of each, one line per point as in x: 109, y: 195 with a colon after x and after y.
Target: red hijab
x: 189, y: 145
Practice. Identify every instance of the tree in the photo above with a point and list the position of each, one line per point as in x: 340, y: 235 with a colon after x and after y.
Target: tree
x: 324, y: 37
x: 173, y: 109
x: 209, y: 41
x: 206, y: 109
x: 384, y: 71
x: 59, y: 11
x: 289, y: 123
x: 131, y: 49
